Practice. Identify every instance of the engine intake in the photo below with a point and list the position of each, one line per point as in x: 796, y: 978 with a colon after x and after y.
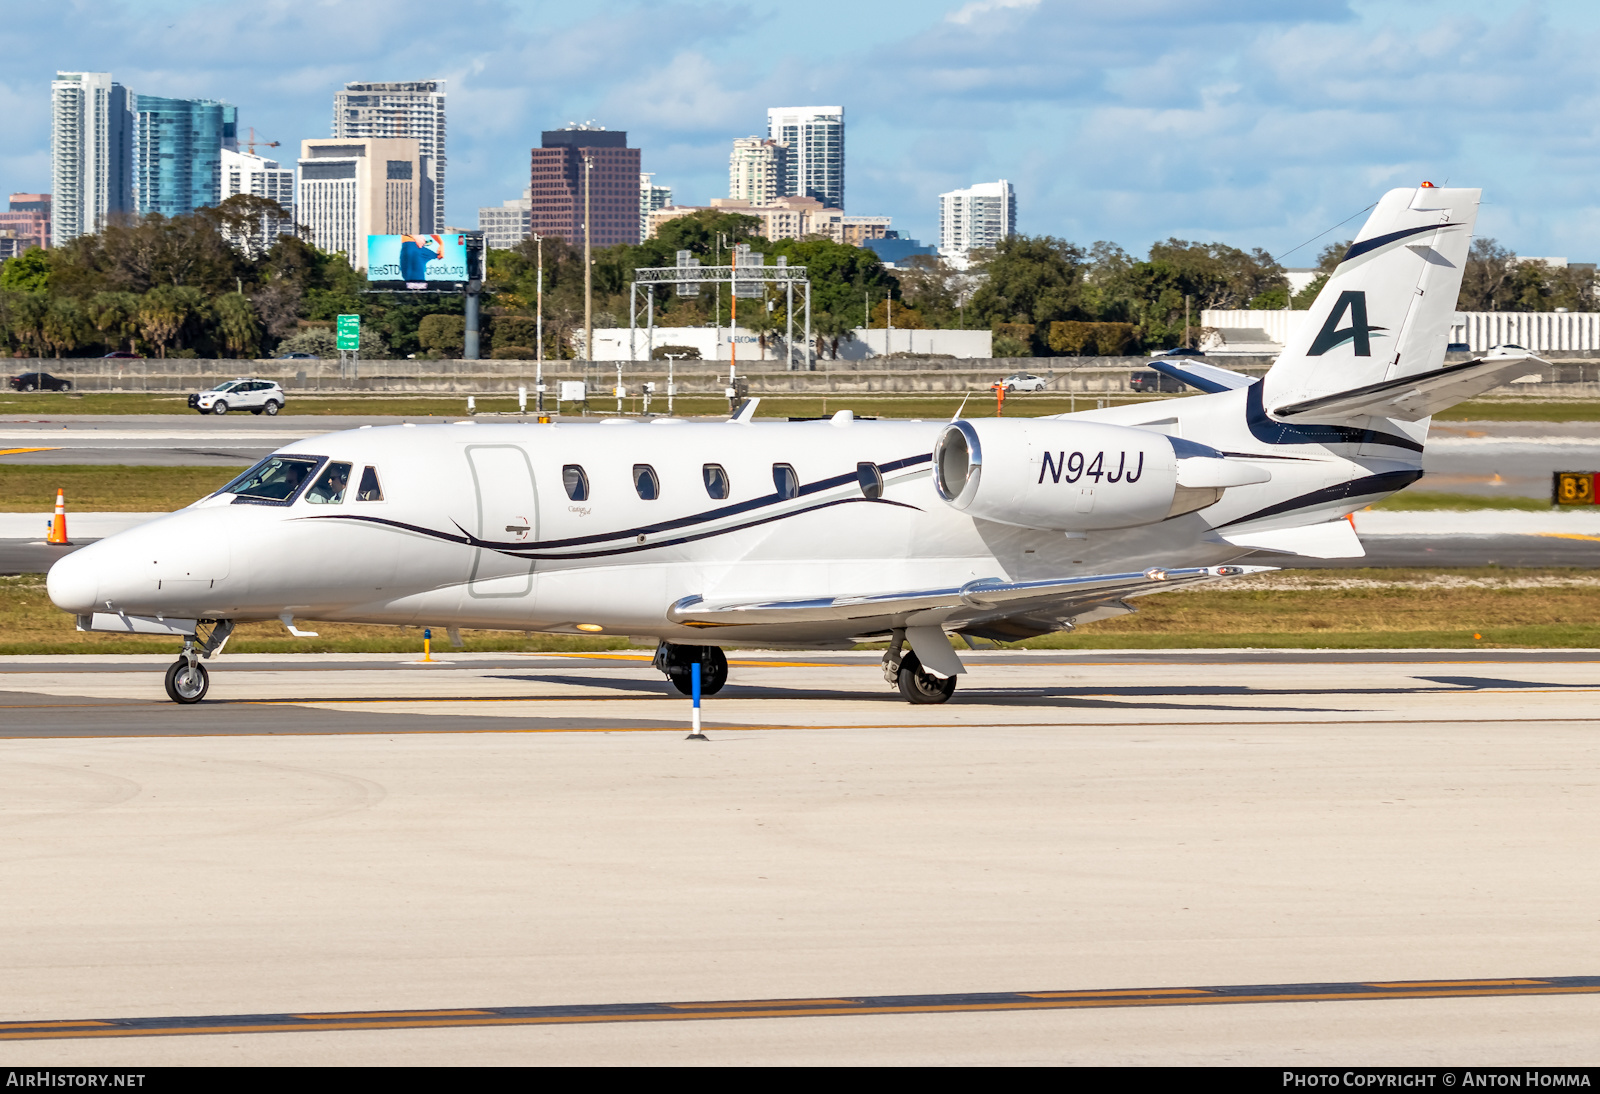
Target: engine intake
x: 1076, y: 476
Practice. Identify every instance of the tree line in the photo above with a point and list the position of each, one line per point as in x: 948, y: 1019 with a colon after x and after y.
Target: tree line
x: 212, y: 284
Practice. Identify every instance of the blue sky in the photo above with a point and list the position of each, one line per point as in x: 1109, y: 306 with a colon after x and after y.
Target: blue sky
x: 1254, y: 122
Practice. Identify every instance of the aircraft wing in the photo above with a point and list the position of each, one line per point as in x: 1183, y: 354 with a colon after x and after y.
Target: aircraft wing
x: 1412, y: 398
x: 984, y: 598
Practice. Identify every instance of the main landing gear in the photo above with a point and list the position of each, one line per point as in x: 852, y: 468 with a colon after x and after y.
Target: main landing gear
x: 677, y: 660
x: 187, y: 679
x: 903, y: 669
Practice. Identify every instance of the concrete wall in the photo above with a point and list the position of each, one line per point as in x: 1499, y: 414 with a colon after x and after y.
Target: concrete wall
x: 1567, y: 377
x: 621, y: 344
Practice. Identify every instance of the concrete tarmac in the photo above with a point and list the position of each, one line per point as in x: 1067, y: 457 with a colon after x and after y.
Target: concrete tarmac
x: 351, y: 834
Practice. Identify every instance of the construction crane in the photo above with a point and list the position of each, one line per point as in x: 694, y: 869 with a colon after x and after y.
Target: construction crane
x: 253, y: 140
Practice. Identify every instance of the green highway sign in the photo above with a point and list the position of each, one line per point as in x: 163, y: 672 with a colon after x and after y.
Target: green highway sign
x: 349, y: 332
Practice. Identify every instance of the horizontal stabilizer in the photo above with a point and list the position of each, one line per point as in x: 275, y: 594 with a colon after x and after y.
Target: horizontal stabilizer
x: 1412, y: 398
x: 1333, y: 539
x: 1203, y: 377
x: 976, y: 598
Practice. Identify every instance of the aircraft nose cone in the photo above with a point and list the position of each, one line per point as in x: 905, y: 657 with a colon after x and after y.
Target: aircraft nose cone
x: 74, y: 583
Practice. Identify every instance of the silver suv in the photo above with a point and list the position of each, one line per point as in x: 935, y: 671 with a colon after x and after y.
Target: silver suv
x: 256, y: 396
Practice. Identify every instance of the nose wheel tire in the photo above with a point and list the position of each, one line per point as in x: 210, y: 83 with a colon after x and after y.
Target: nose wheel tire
x: 187, y: 683
x: 713, y: 668
x: 921, y: 687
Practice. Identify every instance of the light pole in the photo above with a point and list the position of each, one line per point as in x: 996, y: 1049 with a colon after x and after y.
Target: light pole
x: 538, y: 314
x: 588, y: 268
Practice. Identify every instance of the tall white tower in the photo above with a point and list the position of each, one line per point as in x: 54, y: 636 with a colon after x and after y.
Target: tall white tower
x: 758, y: 170
x: 91, y: 153
x: 411, y: 108
x: 815, y: 164
x: 245, y: 173
x: 979, y: 216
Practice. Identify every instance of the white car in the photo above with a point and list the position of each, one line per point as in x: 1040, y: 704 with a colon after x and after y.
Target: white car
x: 1022, y: 381
x: 256, y: 396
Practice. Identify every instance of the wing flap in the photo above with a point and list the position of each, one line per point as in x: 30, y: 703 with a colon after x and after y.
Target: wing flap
x: 982, y: 597
x: 1412, y: 398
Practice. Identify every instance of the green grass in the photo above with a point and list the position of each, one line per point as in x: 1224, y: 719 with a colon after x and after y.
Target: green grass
x: 106, y: 488
x: 1422, y: 500
x: 1515, y: 409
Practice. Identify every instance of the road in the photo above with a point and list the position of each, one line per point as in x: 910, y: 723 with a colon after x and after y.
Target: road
x: 443, y: 865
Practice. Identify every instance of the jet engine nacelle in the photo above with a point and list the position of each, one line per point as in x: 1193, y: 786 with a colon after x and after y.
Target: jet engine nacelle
x: 1074, y: 476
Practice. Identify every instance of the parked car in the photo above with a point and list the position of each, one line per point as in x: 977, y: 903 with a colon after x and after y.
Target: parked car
x: 1458, y: 347
x: 1146, y: 380
x: 1022, y: 381
x: 39, y: 381
x: 123, y: 355
x: 256, y: 396
x: 299, y: 357
x: 1177, y: 351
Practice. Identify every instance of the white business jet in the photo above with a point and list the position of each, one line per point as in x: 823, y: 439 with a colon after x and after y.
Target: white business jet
x: 826, y: 533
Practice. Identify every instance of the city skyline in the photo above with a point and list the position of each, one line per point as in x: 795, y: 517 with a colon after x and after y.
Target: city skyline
x: 1286, y: 119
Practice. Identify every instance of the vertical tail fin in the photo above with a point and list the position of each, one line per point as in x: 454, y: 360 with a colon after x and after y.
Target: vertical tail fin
x: 1386, y: 311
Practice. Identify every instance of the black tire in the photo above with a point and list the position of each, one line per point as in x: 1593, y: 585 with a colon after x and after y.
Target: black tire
x: 920, y: 687
x: 184, y: 686
x: 272, y: 408
x: 219, y: 407
x: 713, y: 670
x: 257, y: 410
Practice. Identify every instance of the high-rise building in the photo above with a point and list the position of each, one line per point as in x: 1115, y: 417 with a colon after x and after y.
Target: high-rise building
x: 758, y: 170
x: 413, y: 109
x: 352, y: 189
x: 505, y: 227
x: 814, y: 166
x: 27, y: 218
x: 857, y: 230
x: 979, y: 216
x: 91, y: 153
x: 651, y: 198
x: 557, y: 180
x: 243, y: 173
x: 177, y: 153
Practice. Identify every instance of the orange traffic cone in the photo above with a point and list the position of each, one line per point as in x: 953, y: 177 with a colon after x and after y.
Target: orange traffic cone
x: 58, y: 530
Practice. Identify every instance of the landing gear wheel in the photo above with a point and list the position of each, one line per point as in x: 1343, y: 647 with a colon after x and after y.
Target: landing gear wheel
x: 921, y: 687
x: 219, y: 407
x: 713, y: 668
x: 187, y: 683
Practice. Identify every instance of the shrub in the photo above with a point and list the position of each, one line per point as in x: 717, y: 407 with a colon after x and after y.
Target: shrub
x: 1091, y: 339
x: 513, y: 353
x: 445, y: 335
x: 681, y: 353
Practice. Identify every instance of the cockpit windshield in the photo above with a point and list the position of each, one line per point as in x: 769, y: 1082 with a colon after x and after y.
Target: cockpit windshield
x: 276, y: 478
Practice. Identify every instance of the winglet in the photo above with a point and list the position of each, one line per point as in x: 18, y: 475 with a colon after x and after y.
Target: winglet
x: 746, y: 411
x: 956, y: 417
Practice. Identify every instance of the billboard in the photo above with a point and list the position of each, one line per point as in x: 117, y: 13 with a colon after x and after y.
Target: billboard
x: 417, y: 261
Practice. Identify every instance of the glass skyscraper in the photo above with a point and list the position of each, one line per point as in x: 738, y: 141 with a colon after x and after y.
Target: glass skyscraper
x: 177, y: 152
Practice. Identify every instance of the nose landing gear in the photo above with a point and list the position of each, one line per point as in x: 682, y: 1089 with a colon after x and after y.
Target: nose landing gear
x: 676, y: 660
x: 187, y: 679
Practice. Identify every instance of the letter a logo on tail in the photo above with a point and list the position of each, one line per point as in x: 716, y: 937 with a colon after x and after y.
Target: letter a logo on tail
x: 1358, y: 332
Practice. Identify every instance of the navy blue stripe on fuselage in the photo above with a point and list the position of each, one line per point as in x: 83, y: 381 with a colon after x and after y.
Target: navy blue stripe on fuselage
x: 1358, y: 249
x: 1267, y: 431
x: 1386, y: 483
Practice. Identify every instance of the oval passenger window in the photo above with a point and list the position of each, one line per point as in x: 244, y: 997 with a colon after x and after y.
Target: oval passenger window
x: 716, y: 480
x: 785, y: 480
x: 575, y: 482
x: 645, y: 483
x: 871, y: 480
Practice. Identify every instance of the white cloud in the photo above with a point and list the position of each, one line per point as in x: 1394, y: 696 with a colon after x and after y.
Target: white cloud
x: 968, y: 12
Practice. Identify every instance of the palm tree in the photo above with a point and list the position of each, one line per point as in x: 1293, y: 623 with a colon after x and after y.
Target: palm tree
x: 236, y: 322
x: 164, y: 310
x: 114, y: 315
x: 64, y: 325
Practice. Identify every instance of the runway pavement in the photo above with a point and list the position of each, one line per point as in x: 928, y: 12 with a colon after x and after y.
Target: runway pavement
x: 394, y: 863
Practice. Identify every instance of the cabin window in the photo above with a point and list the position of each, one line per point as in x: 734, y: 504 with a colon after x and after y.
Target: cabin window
x: 330, y: 488
x: 575, y: 482
x: 370, y: 489
x: 871, y: 480
x: 785, y: 480
x: 645, y: 483
x: 274, y: 479
x: 716, y: 480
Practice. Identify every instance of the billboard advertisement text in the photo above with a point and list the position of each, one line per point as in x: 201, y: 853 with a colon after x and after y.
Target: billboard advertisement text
x: 417, y: 258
